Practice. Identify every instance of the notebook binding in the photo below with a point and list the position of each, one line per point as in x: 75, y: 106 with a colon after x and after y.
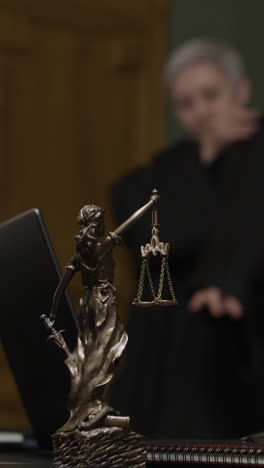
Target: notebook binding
x: 214, y: 454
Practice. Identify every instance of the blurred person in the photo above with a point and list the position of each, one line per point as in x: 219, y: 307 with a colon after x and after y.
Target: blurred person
x: 197, y: 370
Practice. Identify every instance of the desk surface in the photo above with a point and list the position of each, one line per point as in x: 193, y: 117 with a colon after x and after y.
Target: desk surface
x: 21, y: 460
x: 24, y: 460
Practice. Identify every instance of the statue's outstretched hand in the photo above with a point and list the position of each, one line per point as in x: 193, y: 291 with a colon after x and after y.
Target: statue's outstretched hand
x: 155, y: 196
x: 48, y: 323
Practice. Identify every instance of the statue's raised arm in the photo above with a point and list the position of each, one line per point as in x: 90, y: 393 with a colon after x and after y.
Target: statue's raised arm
x: 154, y: 199
x: 114, y: 237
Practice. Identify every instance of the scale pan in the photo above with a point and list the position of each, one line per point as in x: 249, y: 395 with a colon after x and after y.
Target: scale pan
x: 165, y: 302
x: 139, y: 303
x: 156, y: 302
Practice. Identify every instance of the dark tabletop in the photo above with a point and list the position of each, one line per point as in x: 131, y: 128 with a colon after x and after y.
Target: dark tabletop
x: 24, y: 460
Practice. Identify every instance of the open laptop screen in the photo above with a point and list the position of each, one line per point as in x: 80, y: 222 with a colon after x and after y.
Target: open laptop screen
x: 29, y: 275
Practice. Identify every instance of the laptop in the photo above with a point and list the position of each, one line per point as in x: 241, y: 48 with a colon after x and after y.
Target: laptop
x: 29, y: 275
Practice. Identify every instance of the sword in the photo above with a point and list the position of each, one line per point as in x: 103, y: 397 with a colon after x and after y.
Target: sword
x: 55, y: 335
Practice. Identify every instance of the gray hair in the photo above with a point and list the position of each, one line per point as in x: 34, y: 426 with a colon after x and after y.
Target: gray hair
x: 198, y: 50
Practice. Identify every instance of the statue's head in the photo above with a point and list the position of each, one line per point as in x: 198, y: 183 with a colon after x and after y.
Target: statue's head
x: 91, y: 220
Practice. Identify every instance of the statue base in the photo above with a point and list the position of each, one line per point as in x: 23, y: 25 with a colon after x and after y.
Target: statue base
x: 102, y: 447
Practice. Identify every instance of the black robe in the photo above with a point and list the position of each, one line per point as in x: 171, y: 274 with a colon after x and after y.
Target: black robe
x: 191, y: 375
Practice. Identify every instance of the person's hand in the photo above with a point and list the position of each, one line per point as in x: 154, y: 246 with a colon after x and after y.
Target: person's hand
x: 227, y: 125
x: 217, y: 303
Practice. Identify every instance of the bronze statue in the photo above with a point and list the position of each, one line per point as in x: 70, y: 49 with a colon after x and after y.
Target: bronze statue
x: 95, y: 434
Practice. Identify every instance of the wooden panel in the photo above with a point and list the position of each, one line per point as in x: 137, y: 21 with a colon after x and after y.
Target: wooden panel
x: 103, y: 16
x: 14, y: 31
x: 80, y: 104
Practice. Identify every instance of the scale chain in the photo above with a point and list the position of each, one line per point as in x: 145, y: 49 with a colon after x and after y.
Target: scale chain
x: 170, y: 282
x: 144, y: 269
x: 142, y: 279
x: 150, y: 281
x: 162, y: 275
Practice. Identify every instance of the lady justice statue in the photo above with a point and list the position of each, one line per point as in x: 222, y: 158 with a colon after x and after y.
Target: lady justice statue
x: 95, y: 435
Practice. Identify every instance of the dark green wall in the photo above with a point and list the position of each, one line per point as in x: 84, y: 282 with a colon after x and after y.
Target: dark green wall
x: 240, y: 22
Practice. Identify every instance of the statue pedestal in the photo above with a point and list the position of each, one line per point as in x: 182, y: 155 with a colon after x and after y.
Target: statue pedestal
x: 102, y: 447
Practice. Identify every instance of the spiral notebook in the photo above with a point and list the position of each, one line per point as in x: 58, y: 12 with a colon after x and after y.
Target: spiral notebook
x: 205, y: 453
